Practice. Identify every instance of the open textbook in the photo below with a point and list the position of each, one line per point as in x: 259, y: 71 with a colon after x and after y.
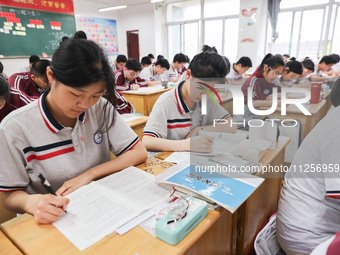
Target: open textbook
x: 222, y: 189
x: 97, y: 209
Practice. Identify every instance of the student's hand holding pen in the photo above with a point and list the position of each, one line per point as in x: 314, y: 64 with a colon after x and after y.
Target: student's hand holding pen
x: 135, y: 86
x: 202, y: 144
x: 47, y: 208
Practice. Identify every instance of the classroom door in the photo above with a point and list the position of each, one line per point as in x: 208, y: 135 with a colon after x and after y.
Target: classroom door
x: 132, y: 44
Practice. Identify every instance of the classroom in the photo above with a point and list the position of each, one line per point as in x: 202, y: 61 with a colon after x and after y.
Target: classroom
x: 169, y: 127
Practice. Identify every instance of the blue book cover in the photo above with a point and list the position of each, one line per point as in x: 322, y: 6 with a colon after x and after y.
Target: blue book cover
x: 228, y: 192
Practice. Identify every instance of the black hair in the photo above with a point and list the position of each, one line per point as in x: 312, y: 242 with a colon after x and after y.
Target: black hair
x: 328, y: 60
x: 335, y: 93
x: 64, y: 39
x: 79, y: 63
x: 5, y: 89
x: 286, y: 55
x: 336, y: 57
x: 151, y: 56
x: 309, y: 64
x: 80, y: 35
x: 1, y: 67
x: 121, y: 59
x: 39, y: 67
x: 228, y: 64
x: 163, y: 63
x: 33, y: 58
x: 180, y: 58
x: 294, y: 66
x: 209, y: 65
x: 187, y: 59
x: 207, y: 48
x: 271, y: 61
x: 280, y: 56
x: 133, y: 64
x: 146, y: 61
x: 245, y: 62
x: 160, y: 57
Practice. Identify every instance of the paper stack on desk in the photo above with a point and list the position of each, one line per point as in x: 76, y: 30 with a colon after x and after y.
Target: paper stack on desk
x: 97, y: 209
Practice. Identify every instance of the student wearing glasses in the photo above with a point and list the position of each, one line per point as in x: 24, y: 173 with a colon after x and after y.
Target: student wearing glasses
x: 127, y: 78
x: 262, y: 81
x: 34, y: 82
x: 66, y: 135
x: 291, y: 72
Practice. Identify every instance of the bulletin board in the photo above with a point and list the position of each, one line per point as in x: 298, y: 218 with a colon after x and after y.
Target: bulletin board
x: 30, y: 27
x: 104, y: 31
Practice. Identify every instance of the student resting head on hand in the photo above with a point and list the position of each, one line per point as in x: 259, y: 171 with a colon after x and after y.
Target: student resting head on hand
x: 66, y: 135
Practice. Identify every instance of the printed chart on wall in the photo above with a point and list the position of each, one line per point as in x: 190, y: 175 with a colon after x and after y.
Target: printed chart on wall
x: 248, y: 25
x: 104, y: 31
x: 34, y: 26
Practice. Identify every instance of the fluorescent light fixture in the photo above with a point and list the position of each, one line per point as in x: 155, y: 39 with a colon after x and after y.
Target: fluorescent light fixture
x: 112, y: 8
x: 156, y: 1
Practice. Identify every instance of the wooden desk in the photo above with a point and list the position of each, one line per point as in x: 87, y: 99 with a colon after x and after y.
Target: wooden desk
x: 7, y: 247
x: 254, y: 212
x: 307, y: 121
x: 138, y: 125
x: 144, y: 101
x: 219, y: 233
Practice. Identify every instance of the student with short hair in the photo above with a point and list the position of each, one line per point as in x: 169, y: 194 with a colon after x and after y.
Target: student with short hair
x: 151, y: 56
x: 309, y: 206
x: 176, y: 114
x: 291, y: 72
x: 152, y: 73
x: 177, y: 63
x: 66, y: 135
x: 119, y: 63
x: 145, y: 62
x: 286, y: 57
x: 32, y: 83
x: 181, y: 70
x: 11, y: 99
x: 323, y: 66
x: 127, y: 78
x: 238, y: 69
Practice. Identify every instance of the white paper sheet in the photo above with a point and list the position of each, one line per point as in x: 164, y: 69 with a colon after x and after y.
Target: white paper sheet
x: 97, y: 209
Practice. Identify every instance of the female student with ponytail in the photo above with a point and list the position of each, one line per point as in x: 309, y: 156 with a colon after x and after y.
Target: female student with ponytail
x: 66, y: 134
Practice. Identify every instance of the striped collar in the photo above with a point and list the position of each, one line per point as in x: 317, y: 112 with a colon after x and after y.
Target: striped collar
x: 182, y: 107
x: 51, y: 123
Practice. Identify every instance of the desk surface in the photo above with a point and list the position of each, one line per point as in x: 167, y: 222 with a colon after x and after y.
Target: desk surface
x: 129, y: 92
x: 7, y: 247
x: 216, y: 234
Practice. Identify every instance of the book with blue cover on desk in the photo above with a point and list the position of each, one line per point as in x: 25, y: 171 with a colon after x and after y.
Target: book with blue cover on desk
x: 224, y: 190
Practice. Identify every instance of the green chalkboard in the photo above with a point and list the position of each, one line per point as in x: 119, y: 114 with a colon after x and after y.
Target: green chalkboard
x: 37, y: 32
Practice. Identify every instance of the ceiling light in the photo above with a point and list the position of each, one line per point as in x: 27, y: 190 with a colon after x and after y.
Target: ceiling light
x: 156, y: 1
x: 112, y: 8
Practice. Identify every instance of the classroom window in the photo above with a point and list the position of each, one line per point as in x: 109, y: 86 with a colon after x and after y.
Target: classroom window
x: 215, y: 8
x: 213, y: 34
x: 300, y: 3
x: 231, y: 38
x: 336, y: 36
x: 175, y: 35
x: 186, y: 10
x: 191, y: 35
x: 282, y: 44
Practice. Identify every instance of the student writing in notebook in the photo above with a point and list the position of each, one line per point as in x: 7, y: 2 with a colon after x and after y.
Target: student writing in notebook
x: 177, y: 113
x: 66, y: 135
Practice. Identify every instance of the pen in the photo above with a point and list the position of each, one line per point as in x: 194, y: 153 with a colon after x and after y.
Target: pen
x: 47, y: 185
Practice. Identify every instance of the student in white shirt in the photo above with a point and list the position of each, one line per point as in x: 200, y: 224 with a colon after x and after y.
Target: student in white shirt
x: 238, y: 69
x: 177, y: 63
x: 177, y: 114
x: 119, y: 63
x: 152, y: 73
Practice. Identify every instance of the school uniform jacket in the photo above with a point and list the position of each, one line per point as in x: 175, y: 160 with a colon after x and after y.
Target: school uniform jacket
x: 24, y: 83
x: 122, y: 83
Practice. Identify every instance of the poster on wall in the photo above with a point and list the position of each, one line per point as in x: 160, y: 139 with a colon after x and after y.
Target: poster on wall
x: 248, y: 25
x: 104, y: 31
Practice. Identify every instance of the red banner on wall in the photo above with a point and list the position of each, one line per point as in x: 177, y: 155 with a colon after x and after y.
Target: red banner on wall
x: 60, y: 6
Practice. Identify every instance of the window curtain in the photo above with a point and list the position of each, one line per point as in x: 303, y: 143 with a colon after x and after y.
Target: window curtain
x: 274, y: 9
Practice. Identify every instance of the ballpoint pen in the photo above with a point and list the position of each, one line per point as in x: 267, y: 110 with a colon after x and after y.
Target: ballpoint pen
x: 47, y: 185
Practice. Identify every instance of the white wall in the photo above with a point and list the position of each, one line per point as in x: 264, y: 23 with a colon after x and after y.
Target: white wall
x: 255, y: 50
x: 138, y: 17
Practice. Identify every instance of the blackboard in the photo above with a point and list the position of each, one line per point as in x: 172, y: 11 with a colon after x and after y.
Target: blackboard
x: 32, y: 31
